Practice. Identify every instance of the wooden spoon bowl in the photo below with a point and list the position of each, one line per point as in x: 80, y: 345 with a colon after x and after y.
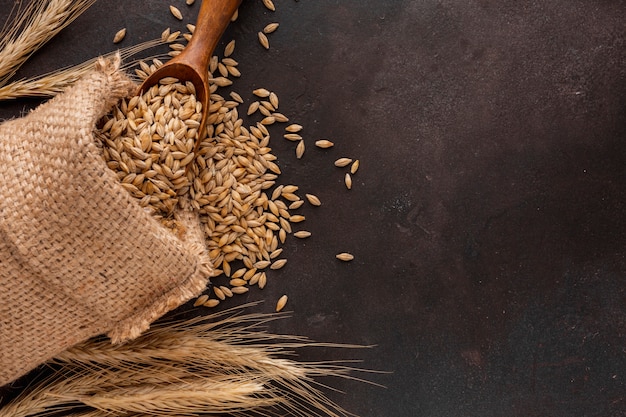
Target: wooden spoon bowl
x: 192, y: 63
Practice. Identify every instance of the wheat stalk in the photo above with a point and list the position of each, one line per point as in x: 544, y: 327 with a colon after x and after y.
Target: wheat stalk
x: 36, y: 25
x: 224, y: 363
x: 53, y: 83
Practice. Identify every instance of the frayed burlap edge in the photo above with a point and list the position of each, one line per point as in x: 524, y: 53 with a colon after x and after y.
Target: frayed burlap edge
x: 134, y: 325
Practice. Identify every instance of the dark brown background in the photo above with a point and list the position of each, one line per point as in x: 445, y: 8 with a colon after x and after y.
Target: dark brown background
x: 487, y: 218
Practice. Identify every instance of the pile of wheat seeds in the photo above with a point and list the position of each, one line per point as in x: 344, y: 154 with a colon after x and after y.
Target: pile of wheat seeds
x: 232, y: 177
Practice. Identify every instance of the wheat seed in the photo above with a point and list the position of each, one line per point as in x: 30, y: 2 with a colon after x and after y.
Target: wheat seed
x: 239, y: 290
x: 348, y: 181
x: 342, y: 162
x: 300, y: 149
x: 165, y: 35
x: 254, y: 106
x: 201, y: 300
x: 269, y: 4
x: 313, y: 199
x: 282, y: 301
x: 293, y: 128
x: 261, y: 92
x: 345, y: 256
x: 273, y: 100
x: 354, y: 167
x: 263, y: 40
x: 323, y: 143
x: 281, y: 118
x: 189, y: 2
x: 229, y: 49
x: 237, y: 282
x: 227, y: 292
x: 219, y: 293
x: 269, y: 120
x: 119, y: 35
x: 270, y: 28
x: 296, y: 204
x: 176, y: 13
x: 278, y: 264
x: 211, y: 303
x: 302, y: 234
x: 292, y: 136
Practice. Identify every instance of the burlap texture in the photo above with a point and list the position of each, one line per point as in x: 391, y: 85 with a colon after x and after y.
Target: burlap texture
x: 78, y: 256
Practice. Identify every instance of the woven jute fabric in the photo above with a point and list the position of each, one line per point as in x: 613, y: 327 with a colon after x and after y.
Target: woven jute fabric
x: 78, y: 256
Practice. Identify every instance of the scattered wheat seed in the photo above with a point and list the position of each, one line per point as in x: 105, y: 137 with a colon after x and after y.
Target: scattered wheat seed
x: 269, y: 4
x: 119, y: 35
x: 296, y: 204
x: 345, y: 256
x: 176, y: 13
x: 296, y: 218
x: 262, y: 280
x: 278, y: 264
x: 238, y: 273
x: 293, y: 128
x: 300, y: 149
x: 172, y: 37
x: 342, y: 162
x: 348, y: 181
x: 290, y: 188
x: 237, y: 282
x: 261, y: 92
x: 281, y: 118
x: 269, y: 120
x: 219, y: 293
x: 273, y: 100
x: 282, y: 301
x: 292, y: 136
x: 262, y: 264
x: 239, y: 290
x: 236, y: 97
x: 302, y: 234
x: 165, y: 34
x: 212, y: 303
x: 235, y: 16
x: 189, y: 2
x: 254, y: 106
x: 323, y: 143
x: 276, y: 253
x: 354, y: 167
x: 250, y: 273
x: 263, y: 40
x: 227, y: 292
x: 229, y: 49
x: 313, y: 199
x: 270, y: 28
x: 201, y: 300
x: 255, y: 279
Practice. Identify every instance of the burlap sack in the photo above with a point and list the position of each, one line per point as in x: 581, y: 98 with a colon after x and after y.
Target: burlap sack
x: 78, y: 256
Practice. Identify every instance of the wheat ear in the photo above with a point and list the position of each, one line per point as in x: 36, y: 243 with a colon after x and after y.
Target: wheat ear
x: 53, y: 83
x: 225, y: 363
x: 36, y: 25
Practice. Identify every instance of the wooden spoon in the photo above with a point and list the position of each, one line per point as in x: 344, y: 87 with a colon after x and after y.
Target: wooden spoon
x: 191, y: 64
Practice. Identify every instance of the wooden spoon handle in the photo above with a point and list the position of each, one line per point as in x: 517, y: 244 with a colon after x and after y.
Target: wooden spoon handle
x: 213, y: 19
